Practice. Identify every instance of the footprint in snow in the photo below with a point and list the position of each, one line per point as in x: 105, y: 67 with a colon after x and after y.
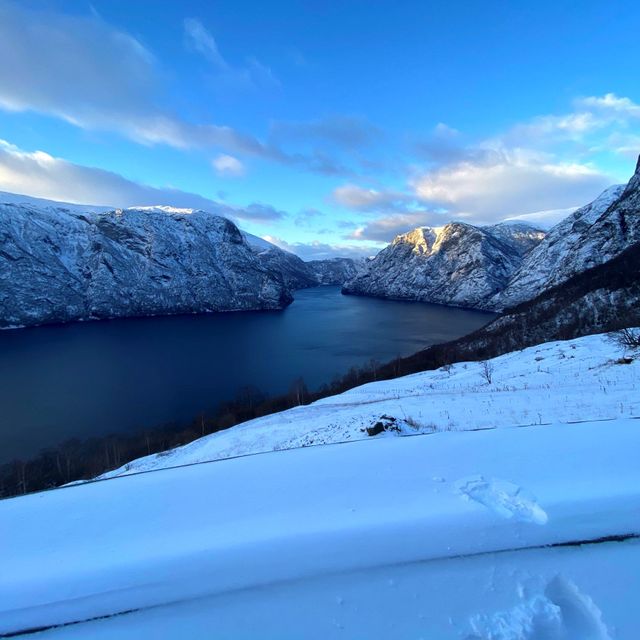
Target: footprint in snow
x: 504, y: 498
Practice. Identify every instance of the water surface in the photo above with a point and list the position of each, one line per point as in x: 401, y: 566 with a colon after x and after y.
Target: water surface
x: 97, y: 378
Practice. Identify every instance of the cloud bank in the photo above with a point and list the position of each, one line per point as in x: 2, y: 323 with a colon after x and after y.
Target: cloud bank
x: 41, y: 175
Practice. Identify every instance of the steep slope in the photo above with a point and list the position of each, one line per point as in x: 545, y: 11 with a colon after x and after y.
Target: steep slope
x: 297, y: 273
x: 458, y: 264
x: 60, y: 264
x: 522, y: 236
x: 589, y: 236
x: 293, y: 270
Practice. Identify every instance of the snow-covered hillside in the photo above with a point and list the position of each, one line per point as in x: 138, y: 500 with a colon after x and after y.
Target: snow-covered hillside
x: 458, y: 264
x: 512, y: 514
x: 59, y: 264
x: 505, y: 534
x: 554, y: 383
x: 43, y: 203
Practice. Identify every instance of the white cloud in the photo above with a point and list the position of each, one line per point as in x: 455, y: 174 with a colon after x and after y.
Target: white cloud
x: 363, y: 199
x: 203, y: 42
x: 84, y: 71
x: 544, y: 130
x: 518, y: 181
x: 228, y: 166
x: 593, y: 117
x: 76, y: 68
x: 41, y: 175
x: 538, y: 170
x: 612, y: 104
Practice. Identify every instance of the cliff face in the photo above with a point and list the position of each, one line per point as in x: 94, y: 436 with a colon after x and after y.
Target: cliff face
x: 458, y: 264
x: 60, y: 264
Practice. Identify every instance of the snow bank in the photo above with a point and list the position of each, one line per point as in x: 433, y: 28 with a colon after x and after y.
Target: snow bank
x: 494, y: 534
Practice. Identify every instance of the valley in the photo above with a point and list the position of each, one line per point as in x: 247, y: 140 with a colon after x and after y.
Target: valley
x: 83, y: 380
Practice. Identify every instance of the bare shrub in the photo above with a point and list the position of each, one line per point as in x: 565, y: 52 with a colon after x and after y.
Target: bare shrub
x: 486, y: 370
x: 627, y: 338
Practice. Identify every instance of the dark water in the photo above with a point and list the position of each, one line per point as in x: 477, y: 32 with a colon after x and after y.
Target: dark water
x: 98, y: 378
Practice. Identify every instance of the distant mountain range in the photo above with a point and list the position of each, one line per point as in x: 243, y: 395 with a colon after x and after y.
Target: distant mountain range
x: 300, y: 274
x: 60, y: 263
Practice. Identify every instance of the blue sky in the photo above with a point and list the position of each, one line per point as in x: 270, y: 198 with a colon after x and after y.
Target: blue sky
x: 326, y: 126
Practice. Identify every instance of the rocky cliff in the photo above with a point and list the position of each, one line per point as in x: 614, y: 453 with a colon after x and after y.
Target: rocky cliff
x: 60, y: 264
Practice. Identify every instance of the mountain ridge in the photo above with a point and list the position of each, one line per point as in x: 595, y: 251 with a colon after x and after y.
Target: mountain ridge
x: 457, y: 264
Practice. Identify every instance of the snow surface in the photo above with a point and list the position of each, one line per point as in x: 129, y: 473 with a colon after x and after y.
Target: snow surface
x: 552, y: 383
x: 440, y: 536
x: 51, y: 205
x: 258, y: 243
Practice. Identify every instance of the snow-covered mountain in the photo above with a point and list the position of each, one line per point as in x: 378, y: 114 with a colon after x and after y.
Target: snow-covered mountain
x: 497, y: 267
x: 59, y: 264
x: 334, y: 270
x: 591, y: 235
x: 458, y: 264
x: 291, y: 268
x: 297, y: 273
x: 603, y: 298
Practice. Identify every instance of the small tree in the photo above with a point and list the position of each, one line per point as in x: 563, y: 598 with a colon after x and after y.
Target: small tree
x: 486, y: 370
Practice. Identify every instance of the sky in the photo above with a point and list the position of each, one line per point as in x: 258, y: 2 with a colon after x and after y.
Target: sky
x: 326, y: 127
